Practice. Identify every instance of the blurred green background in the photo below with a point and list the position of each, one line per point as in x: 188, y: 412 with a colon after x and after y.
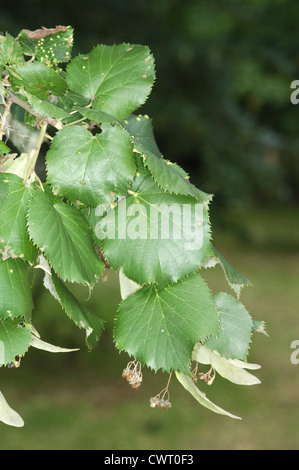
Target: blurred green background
x: 221, y: 109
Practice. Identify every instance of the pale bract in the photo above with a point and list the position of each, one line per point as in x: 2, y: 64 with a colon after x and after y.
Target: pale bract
x: 38, y: 343
x: 127, y: 286
x: 231, y: 369
x: 201, y: 397
x: 8, y: 415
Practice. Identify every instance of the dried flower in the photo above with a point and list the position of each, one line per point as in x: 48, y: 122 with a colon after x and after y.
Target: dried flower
x: 132, y: 373
x: 209, y: 376
x: 162, y: 399
x: 15, y: 364
x: 159, y: 403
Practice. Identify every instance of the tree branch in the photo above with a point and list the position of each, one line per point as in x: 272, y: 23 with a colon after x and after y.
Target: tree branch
x: 46, y: 119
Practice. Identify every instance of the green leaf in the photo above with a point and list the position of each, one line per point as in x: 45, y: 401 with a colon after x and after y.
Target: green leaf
x: 4, y: 188
x: 71, y: 101
x: 155, y: 236
x: 37, y: 79
x: 259, y: 327
x: 161, y: 327
x: 169, y: 176
x: 3, y: 148
x: 96, y: 115
x: 8, y: 415
x: 63, y: 235
x: 73, y: 308
x: 201, y: 397
x: 15, y: 290
x: 233, y: 338
x: 117, y: 79
x: 15, y: 339
x: 48, y: 45
x: 88, y: 168
x: 235, y: 280
x: 46, y: 108
x: 10, y: 51
x: 78, y: 313
x: 14, y: 239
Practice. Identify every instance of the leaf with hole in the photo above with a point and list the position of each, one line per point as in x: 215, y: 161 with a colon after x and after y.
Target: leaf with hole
x: 90, y: 168
x: 51, y: 46
x: 15, y: 339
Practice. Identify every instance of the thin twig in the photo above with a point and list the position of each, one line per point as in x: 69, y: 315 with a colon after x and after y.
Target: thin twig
x: 4, y: 117
x: 75, y: 122
x: 53, y: 122
x: 36, y: 150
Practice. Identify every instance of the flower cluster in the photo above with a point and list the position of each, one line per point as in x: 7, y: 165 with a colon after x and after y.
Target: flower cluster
x: 132, y: 373
x: 208, y: 377
x: 159, y: 402
x: 162, y: 399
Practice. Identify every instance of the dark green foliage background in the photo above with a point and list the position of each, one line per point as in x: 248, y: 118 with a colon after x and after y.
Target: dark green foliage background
x: 221, y: 109
x: 221, y: 104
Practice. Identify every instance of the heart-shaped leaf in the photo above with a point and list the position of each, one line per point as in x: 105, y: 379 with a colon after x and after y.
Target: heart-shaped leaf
x: 155, y: 236
x: 88, y: 168
x: 117, y: 79
x: 161, y: 327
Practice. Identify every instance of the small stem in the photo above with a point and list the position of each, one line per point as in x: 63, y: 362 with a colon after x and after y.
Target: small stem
x: 36, y: 150
x: 132, y: 193
x: 53, y: 122
x: 167, y: 386
x: 75, y: 122
x: 3, y: 119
